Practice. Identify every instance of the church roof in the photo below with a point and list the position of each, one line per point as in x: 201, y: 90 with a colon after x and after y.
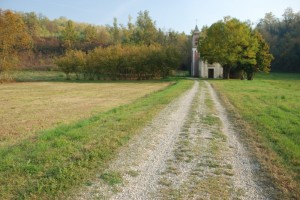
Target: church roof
x: 196, y: 29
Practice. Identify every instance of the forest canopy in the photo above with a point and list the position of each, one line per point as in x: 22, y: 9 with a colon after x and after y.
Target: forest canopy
x: 283, y: 37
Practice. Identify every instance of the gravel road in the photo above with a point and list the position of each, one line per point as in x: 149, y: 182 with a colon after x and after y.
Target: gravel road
x: 189, y: 151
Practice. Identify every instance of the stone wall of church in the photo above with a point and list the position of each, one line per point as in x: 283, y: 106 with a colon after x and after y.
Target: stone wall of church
x: 204, y: 68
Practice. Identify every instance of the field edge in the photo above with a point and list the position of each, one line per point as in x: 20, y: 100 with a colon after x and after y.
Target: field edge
x: 274, y: 172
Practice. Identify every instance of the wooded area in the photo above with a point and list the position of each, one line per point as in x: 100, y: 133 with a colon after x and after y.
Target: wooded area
x: 283, y: 37
x: 32, y: 41
x: 52, y: 38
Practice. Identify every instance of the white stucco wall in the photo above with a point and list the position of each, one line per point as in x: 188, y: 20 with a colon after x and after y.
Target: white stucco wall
x: 204, y: 66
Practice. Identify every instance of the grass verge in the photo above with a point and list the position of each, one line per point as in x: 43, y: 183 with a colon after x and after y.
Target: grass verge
x: 269, y: 113
x: 48, y: 165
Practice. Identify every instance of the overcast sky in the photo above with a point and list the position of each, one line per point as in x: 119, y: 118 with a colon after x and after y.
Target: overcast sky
x: 178, y: 15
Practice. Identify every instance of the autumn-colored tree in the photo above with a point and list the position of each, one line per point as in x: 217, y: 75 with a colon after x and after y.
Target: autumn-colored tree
x: 14, y: 38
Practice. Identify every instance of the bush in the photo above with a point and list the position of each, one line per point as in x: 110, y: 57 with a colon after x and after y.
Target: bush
x: 130, y: 62
x: 73, y: 61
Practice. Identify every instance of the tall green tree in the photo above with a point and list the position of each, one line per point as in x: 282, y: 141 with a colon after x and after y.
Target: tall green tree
x: 230, y: 43
x: 146, y: 32
x: 218, y: 46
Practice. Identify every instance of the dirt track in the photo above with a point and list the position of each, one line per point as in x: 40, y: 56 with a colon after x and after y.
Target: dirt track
x: 189, y: 151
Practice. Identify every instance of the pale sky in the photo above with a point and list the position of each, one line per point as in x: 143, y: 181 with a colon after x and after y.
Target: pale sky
x: 178, y: 15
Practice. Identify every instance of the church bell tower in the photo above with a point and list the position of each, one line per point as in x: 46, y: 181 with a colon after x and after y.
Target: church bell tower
x: 195, y: 54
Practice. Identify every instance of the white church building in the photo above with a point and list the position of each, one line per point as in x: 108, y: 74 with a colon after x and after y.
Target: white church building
x: 200, y: 68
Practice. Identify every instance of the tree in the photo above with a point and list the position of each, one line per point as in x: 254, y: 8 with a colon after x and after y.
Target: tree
x: 90, y: 34
x: 230, y: 43
x: 14, y: 38
x: 263, y: 57
x: 213, y: 46
x: 103, y: 35
x: 289, y: 18
x: 146, y: 32
x: 69, y: 35
x: 73, y: 61
x: 116, y: 32
x: 128, y: 31
x: 32, y: 23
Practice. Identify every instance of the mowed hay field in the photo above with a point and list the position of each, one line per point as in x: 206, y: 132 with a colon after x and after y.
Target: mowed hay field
x: 270, y: 105
x: 29, y: 107
x: 80, y: 128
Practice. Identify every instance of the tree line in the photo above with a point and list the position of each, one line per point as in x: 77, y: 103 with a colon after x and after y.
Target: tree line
x: 47, y: 39
x: 120, y: 62
x: 283, y: 37
x: 35, y: 40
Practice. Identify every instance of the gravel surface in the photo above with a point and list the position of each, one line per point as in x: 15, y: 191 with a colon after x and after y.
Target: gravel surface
x: 244, y: 168
x: 189, y: 151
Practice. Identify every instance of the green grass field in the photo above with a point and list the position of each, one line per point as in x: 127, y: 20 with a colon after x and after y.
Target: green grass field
x: 271, y: 105
x: 52, y: 162
x: 50, y: 159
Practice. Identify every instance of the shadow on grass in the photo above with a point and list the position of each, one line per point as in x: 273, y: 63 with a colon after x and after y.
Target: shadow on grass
x: 58, y: 76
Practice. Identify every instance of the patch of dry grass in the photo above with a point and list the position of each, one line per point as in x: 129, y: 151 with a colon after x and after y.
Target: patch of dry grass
x: 26, y: 108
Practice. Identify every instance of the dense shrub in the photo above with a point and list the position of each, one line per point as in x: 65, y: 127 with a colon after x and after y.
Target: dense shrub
x: 73, y: 61
x: 129, y: 62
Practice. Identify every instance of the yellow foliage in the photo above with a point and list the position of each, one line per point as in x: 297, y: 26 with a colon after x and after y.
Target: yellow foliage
x: 13, y: 39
